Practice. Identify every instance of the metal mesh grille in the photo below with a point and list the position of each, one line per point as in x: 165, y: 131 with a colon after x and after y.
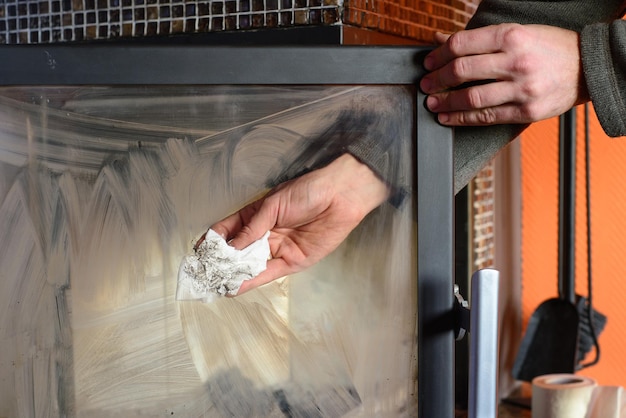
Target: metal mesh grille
x: 76, y: 20
x: 47, y: 21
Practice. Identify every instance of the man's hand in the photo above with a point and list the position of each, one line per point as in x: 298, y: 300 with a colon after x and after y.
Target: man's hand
x: 534, y: 72
x: 307, y: 217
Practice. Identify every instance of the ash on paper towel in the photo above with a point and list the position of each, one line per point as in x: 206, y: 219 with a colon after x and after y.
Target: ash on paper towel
x: 216, y: 269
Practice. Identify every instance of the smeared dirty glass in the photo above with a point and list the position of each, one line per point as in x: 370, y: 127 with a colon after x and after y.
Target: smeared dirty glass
x: 104, y: 190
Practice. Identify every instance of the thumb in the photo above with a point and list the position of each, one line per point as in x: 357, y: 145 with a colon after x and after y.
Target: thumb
x: 261, y: 221
x: 276, y: 268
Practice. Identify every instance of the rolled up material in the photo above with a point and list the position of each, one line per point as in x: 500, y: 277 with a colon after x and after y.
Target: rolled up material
x: 608, y: 402
x: 561, y: 396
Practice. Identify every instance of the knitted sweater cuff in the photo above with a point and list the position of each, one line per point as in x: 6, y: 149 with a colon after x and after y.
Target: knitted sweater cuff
x: 601, y: 53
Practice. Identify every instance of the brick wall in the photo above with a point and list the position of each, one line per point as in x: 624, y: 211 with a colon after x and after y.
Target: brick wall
x: 415, y: 19
x: 483, y: 224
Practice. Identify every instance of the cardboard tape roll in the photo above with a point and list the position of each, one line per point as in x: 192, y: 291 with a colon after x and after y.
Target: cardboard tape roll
x: 562, y: 396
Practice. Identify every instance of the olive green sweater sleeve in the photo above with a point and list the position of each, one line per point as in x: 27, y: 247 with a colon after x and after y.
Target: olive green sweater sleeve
x: 603, y: 46
x: 603, y: 50
x: 372, y: 123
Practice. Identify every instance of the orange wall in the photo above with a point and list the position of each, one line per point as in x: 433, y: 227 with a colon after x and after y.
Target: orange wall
x: 539, y: 150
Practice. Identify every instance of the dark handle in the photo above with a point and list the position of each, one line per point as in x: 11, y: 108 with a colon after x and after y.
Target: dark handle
x: 567, y: 205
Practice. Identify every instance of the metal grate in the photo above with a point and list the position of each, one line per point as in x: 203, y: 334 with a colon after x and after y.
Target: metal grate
x: 50, y: 21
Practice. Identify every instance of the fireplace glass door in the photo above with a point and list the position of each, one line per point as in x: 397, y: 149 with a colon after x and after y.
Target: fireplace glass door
x: 103, y: 190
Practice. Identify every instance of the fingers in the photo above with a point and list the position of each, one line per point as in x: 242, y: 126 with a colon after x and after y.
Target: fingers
x: 249, y: 224
x: 488, y: 116
x: 261, y: 217
x: 477, y: 97
x: 484, y: 104
x: 488, y: 53
x: 276, y: 268
x: 243, y: 227
x: 228, y: 227
x: 509, y: 73
x: 466, y: 69
x: 487, y: 104
x: 485, y: 40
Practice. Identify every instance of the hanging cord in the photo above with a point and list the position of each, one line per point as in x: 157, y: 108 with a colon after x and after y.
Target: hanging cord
x: 590, y: 318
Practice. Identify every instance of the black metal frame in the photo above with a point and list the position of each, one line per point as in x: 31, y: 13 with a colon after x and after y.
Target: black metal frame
x: 325, y: 65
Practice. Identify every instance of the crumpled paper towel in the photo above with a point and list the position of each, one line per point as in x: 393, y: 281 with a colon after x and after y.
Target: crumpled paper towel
x: 215, y: 269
